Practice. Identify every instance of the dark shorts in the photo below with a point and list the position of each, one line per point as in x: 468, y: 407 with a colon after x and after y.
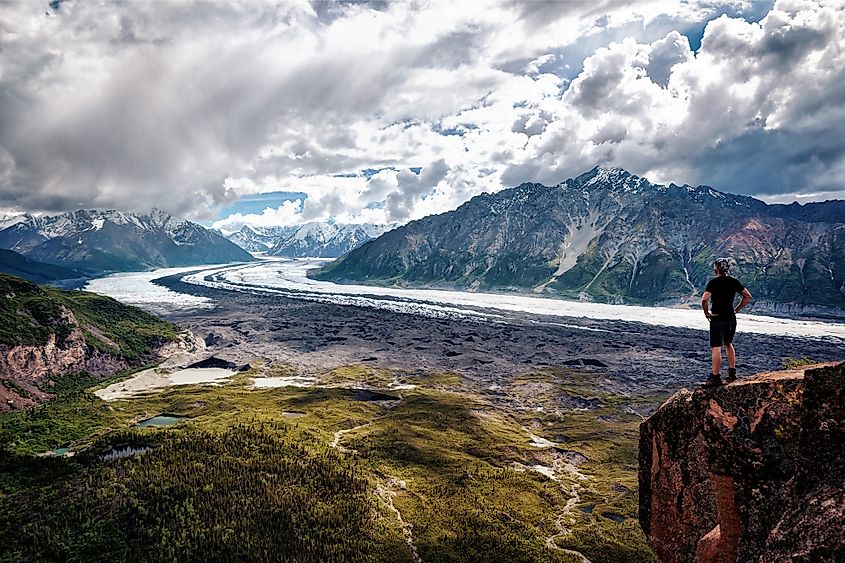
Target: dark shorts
x: 722, y: 332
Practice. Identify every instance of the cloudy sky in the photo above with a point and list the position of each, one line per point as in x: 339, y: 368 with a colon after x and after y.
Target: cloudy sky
x: 389, y: 111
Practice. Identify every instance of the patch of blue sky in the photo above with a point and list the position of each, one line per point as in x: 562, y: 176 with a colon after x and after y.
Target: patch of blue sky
x: 370, y: 172
x: 365, y: 173
x: 459, y: 130
x: 256, y: 204
x: 451, y: 131
x: 754, y: 12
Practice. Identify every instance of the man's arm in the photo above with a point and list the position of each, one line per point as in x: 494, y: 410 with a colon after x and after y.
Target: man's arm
x: 705, y: 304
x: 746, y: 297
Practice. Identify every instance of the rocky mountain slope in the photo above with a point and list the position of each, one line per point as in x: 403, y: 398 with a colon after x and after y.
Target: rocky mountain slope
x: 752, y: 471
x: 52, y: 339
x: 612, y: 236
x: 117, y: 241
x: 260, y: 239
x: 324, y: 240
x: 315, y: 240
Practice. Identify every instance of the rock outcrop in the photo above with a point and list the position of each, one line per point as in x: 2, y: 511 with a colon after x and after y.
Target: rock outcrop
x: 752, y: 471
x: 27, y: 372
x: 50, y: 336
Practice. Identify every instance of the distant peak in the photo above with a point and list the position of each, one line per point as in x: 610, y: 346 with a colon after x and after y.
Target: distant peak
x: 602, y: 173
x: 611, y: 171
x: 613, y: 177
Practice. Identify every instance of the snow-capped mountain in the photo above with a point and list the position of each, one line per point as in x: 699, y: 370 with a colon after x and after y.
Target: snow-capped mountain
x: 326, y: 240
x: 260, y: 239
x: 111, y: 240
x: 317, y: 240
x: 9, y: 219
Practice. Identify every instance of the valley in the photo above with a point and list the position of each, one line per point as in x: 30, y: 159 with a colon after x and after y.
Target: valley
x: 424, y: 430
x: 336, y: 281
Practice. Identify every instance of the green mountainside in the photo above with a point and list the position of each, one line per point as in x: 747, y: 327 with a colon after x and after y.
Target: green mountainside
x: 54, y: 341
x: 29, y: 314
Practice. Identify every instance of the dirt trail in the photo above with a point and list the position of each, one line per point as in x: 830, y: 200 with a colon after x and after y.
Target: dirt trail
x: 390, y: 405
x: 571, y: 470
x: 386, y: 494
x: 339, y: 435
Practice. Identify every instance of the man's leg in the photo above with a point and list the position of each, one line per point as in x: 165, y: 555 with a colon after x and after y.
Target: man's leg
x: 716, y: 341
x: 729, y: 348
x: 717, y: 359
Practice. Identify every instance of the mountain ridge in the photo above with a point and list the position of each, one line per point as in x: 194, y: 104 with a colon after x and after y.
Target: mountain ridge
x: 313, y: 239
x: 15, y: 264
x: 611, y: 236
x: 110, y: 240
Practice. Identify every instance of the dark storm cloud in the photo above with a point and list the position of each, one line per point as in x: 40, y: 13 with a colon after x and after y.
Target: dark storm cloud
x: 173, y: 122
x: 766, y: 163
x: 541, y: 13
x: 133, y: 128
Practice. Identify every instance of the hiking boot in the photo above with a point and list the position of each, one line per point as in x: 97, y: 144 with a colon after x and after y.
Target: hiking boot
x: 713, y: 380
x: 731, y: 377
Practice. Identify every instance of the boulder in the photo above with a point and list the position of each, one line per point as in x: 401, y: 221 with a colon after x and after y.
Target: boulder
x: 751, y: 471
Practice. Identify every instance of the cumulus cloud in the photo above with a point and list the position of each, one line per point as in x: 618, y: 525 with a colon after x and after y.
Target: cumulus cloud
x: 665, y: 54
x: 187, y: 106
x: 413, y: 187
x: 288, y: 213
x: 756, y: 110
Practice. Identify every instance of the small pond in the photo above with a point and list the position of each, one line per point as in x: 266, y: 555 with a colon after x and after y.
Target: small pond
x: 373, y: 396
x: 160, y: 420
x: 613, y: 516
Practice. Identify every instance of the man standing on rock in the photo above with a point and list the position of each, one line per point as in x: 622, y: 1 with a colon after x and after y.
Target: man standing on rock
x: 720, y: 293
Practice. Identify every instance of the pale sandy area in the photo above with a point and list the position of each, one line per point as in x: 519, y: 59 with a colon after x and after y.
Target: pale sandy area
x: 171, y: 371
x: 159, y: 378
x: 293, y: 381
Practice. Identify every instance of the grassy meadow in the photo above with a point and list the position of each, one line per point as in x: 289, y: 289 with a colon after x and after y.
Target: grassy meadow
x: 442, y: 472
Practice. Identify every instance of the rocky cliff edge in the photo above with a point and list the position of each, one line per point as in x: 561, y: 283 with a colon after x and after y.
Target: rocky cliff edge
x: 751, y: 471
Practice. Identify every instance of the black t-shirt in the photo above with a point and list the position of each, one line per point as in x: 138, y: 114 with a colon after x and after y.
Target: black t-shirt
x: 723, y: 290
